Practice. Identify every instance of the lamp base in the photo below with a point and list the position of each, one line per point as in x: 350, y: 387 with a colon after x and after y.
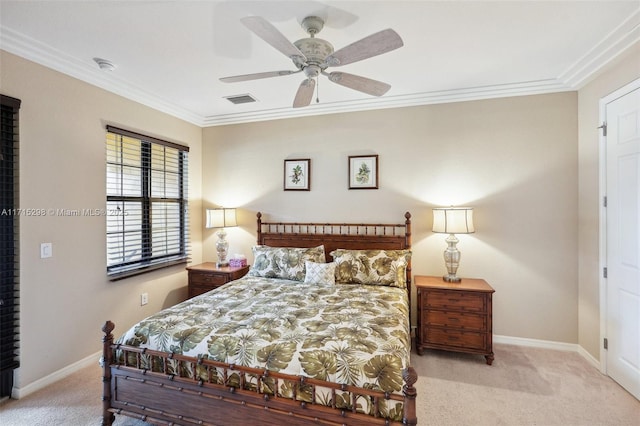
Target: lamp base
x: 222, y: 245
x: 451, y: 259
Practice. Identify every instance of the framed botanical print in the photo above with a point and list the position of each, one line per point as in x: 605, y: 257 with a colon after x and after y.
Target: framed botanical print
x: 297, y: 175
x: 363, y: 172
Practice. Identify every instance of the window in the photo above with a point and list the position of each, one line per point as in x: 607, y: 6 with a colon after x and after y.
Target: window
x: 147, y: 214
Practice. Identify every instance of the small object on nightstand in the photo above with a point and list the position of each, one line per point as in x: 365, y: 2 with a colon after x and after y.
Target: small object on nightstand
x: 207, y: 276
x: 238, y: 261
x: 455, y: 316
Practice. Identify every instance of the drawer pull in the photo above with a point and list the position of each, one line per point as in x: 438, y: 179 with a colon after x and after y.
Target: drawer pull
x: 453, y: 338
x: 453, y: 319
x: 453, y: 300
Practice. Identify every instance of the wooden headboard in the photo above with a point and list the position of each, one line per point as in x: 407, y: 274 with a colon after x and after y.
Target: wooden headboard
x: 351, y: 236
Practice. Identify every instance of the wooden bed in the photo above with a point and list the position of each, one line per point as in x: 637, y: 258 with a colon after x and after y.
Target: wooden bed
x: 168, y: 399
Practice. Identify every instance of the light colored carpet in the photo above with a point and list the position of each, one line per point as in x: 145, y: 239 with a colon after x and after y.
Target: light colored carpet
x: 524, y: 386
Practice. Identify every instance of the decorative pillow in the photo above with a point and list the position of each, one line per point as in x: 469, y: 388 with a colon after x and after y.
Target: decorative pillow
x: 284, y: 262
x: 320, y: 273
x: 376, y: 267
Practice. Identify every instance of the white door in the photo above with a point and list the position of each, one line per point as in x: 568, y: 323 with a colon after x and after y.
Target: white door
x: 623, y: 238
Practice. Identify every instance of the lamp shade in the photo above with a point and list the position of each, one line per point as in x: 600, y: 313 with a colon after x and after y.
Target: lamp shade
x: 221, y: 218
x: 453, y: 220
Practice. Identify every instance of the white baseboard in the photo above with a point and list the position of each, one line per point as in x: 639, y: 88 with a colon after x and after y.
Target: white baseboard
x: 535, y: 343
x: 548, y: 344
x: 17, y: 393
x: 586, y: 355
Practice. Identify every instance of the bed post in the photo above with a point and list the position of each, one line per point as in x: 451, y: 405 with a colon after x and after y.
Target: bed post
x: 407, y: 234
x: 259, y: 215
x: 107, y: 360
x: 407, y: 244
x: 409, y: 416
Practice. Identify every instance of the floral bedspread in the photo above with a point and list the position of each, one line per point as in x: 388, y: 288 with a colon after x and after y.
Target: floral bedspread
x: 353, y: 334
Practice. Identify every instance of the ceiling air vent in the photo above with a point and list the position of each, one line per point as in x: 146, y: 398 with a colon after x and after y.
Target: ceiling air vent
x: 240, y: 99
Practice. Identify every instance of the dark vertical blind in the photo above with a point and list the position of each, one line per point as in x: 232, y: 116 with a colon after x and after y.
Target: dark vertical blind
x: 9, y: 237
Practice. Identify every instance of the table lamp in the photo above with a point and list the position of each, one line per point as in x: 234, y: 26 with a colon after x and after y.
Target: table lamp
x: 452, y: 220
x: 221, y: 218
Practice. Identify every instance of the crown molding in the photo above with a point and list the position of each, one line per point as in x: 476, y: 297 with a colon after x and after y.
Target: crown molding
x: 400, y: 101
x: 50, y: 57
x: 574, y: 77
x: 603, y: 53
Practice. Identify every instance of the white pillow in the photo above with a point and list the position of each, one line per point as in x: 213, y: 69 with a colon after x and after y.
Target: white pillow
x: 320, y: 273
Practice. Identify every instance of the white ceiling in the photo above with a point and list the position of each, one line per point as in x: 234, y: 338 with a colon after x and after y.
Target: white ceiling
x: 170, y: 54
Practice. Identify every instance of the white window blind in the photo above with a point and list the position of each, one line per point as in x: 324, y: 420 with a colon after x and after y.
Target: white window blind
x: 147, y: 212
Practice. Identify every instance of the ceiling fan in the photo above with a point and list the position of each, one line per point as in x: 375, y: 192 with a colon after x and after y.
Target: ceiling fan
x: 313, y: 56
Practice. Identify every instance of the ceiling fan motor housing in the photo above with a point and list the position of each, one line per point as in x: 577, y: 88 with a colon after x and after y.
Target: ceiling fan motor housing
x: 315, y: 50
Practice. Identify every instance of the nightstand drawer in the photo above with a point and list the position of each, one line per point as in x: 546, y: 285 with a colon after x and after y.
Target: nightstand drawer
x: 196, y: 290
x: 456, y: 320
x: 457, y: 300
x: 208, y: 275
x: 455, y: 339
x: 207, y: 278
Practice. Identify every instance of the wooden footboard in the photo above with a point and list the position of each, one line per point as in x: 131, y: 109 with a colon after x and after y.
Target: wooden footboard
x: 238, y: 395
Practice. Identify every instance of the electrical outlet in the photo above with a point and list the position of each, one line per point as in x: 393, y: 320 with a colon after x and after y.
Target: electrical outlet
x: 46, y: 250
x: 144, y: 299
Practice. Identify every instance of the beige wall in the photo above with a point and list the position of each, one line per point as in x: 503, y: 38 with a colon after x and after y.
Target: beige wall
x: 518, y: 161
x: 513, y: 159
x: 625, y: 70
x: 65, y: 299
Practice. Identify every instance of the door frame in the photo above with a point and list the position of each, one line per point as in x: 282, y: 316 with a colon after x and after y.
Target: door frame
x: 635, y: 84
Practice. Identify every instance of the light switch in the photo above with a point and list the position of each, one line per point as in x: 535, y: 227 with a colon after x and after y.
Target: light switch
x: 46, y: 250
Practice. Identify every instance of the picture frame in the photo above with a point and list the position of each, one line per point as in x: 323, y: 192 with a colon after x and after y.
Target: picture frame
x: 297, y: 174
x: 363, y: 172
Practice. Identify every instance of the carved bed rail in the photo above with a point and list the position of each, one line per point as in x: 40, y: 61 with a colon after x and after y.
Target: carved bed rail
x: 333, y: 228
x: 342, y: 229
x: 231, y: 394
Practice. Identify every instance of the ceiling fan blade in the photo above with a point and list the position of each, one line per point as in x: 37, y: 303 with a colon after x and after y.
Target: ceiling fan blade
x: 305, y: 93
x: 256, y: 76
x: 361, y: 84
x: 376, y: 44
x: 266, y: 31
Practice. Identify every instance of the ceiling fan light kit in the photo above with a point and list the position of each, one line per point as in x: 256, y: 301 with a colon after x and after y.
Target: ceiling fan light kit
x: 313, y: 56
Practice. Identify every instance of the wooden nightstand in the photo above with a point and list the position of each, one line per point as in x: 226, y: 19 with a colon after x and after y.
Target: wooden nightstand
x: 207, y: 276
x: 455, y: 316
